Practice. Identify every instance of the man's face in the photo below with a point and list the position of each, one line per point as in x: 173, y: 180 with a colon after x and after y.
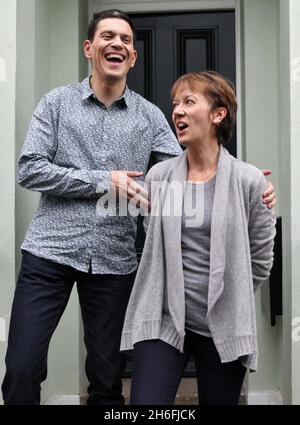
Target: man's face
x: 111, y: 52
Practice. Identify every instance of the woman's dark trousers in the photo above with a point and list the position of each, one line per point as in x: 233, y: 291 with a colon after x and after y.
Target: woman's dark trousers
x: 158, y: 368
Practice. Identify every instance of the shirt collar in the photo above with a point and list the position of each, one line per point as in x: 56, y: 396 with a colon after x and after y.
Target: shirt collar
x: 87, y: 92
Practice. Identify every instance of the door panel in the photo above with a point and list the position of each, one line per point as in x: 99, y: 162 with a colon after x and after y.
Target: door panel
x: 173, y: 44
x: 144, y: 68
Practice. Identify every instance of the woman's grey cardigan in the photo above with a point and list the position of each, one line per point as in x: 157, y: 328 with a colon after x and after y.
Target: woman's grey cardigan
x: 241, y: 256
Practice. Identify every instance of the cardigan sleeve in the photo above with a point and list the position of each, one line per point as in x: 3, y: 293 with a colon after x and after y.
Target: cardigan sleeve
x: 153, y: 184
x: 262, y: 231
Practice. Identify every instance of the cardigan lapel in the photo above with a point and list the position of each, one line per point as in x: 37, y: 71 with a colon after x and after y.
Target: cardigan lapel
x: 171, y: 219
x: 172, y: 204
x: 219, y: 228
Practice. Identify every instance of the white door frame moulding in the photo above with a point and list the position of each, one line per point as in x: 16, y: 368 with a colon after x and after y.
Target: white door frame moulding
x: 144, y: 6
x: 159, y: 5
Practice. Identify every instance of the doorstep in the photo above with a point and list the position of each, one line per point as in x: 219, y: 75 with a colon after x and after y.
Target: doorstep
x: 186, y: 394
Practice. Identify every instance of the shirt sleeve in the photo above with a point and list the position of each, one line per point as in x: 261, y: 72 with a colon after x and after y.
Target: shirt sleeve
x: 36, y: 170
x: 165, y: 144
x: 261, y: 234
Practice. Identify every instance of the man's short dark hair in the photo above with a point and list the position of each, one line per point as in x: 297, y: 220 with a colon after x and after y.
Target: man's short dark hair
x: 111, y: 13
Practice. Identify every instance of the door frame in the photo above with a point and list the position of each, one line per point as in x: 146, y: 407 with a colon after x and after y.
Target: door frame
x: 156, y: 6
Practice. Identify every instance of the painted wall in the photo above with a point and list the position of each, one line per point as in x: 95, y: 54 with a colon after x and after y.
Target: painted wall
x: 294, y: 15
x: 260, y: 112
x: 289, y: 157
x: 7, y: 167
x: 285, y: 185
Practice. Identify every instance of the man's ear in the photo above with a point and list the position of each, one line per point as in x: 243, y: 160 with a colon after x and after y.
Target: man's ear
x: 87, y: 45
x: 218, y: 115
x: 133, y: 59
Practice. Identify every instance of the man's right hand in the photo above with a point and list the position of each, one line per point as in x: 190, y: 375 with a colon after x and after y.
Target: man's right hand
x: 126, y: 186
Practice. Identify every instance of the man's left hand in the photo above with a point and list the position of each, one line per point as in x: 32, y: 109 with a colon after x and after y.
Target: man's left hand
x: 269, y: 195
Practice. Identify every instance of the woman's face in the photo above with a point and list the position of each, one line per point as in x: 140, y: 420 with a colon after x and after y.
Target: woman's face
x: 192, y: 115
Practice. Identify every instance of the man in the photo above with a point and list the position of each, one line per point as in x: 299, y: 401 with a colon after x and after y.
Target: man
x: 83, y: 140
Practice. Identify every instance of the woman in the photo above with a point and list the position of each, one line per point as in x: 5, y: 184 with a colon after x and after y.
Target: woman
x: 194, y: 290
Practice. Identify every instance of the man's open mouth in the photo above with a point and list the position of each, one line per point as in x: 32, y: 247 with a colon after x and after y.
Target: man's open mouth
x: 115, y: 57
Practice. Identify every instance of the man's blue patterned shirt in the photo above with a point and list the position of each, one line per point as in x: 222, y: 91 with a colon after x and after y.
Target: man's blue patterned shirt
x: 73, y: 143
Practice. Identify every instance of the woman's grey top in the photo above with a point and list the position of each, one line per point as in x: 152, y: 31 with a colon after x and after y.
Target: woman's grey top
x: 195, y: 249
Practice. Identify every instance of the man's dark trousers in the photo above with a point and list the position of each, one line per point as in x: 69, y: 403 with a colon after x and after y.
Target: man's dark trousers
x: 42, y: 293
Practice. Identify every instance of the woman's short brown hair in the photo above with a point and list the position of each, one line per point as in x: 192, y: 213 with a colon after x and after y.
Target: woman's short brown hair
x: 220, y: 92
